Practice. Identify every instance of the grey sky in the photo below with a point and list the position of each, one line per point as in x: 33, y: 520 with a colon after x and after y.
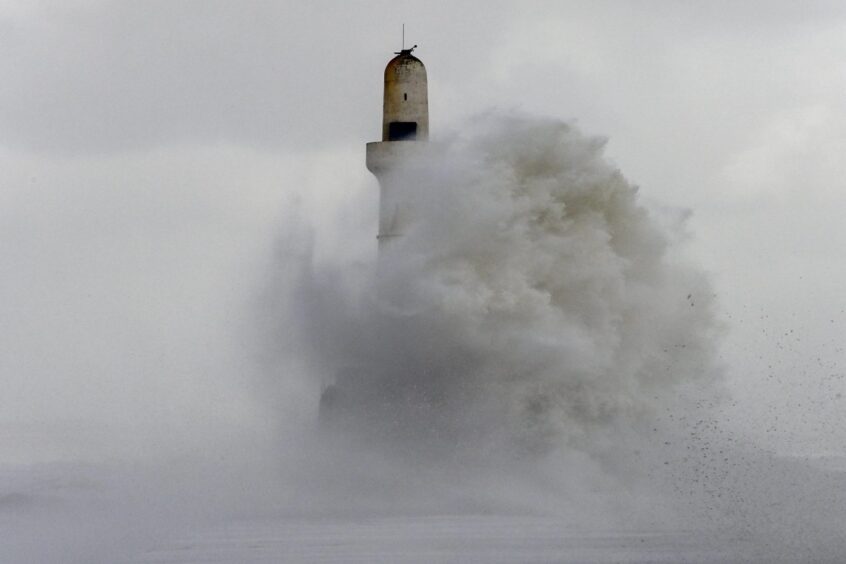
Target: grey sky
x: 151, y: 151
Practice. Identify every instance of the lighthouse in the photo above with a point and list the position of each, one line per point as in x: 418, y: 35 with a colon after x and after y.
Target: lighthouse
x: 405, y: 126
x: 396, y: 161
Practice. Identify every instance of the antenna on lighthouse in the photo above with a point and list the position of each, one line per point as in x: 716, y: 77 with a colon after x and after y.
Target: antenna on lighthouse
x: 403, y: 37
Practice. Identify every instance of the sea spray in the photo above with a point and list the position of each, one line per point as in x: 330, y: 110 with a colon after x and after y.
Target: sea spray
x: 531, y: 301
x: 535, y: 341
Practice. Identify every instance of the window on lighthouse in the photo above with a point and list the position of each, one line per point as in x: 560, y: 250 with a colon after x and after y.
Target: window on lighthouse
x: 402, y: 131
x: 405, y: 96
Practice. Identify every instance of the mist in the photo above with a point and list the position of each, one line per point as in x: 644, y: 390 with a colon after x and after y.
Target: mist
x: 537, y: 343
x: 618, y: 312
x: 530, y: 283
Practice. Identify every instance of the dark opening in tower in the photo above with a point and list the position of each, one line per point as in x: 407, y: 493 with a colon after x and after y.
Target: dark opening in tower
x: 402, y: 131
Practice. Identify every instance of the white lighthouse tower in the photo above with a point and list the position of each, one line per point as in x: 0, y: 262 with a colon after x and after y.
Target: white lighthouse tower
x: 405, y: 125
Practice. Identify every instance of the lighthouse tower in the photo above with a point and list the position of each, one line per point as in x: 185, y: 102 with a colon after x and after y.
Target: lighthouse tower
x: 405, y: 125
x: 394, y: 160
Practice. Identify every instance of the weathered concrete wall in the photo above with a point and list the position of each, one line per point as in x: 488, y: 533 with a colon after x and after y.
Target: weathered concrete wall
x: 406, y: 95
x: 395, y: 201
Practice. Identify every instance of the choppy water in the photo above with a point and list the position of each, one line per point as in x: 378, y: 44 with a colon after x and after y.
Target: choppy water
x: 466, y: 539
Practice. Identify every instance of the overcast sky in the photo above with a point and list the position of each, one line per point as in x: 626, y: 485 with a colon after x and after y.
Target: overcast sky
x: 152, y: 152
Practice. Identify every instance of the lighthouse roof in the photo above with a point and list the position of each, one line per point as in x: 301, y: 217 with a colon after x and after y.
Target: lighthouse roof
x: 404, y: 56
